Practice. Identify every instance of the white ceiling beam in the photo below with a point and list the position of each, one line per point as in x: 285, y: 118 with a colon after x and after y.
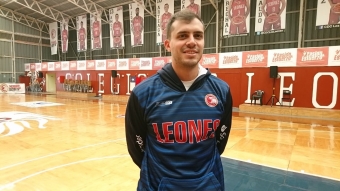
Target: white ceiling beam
x: 90, y: 7
x: 23, y: 19
x: 43, y: 9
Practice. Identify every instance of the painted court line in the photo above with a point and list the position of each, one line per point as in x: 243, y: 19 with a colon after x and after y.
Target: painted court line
x: 11, y: 185
x: 54, y: 154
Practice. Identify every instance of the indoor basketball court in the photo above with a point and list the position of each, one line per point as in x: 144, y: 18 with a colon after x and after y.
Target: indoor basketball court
x: 55, y: 143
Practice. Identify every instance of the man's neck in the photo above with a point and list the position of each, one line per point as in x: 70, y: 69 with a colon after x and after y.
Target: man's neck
x: 186, y: 73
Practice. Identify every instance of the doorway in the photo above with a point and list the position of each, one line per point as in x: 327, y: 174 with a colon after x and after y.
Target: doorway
x: 51, y: 83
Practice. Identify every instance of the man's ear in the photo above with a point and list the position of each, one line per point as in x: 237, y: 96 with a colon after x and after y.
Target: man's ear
x: 167, y: 45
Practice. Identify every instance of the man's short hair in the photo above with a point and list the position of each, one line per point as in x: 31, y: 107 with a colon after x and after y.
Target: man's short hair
x: 183, y: 15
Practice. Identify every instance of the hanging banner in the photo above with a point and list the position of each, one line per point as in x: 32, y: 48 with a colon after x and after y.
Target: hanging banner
x: 270, y: 16
x: 96, y: 30
x: 328, y: 14
x: 137, y: 23
x: 116, y: 28
x: 236, y: 18
x: 81, y: 33
x: 54, y: 37
x: 165, y: 9
x: 192, y: 5
x: 64, y: 35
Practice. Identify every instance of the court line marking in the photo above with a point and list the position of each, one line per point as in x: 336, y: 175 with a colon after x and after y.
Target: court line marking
x: 58, y: 153
x: 11, y: 185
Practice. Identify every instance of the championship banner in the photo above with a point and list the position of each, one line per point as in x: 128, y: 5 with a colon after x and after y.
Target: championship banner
x: 53, y: 27
x: 236, y: 18
x: 116, y: 28
x: 192, y: 5
x: 137, y: 23
x: 270, y: 16
x: 165, y: 9
x: 96, y: 30
x: 64, y: 35
x: 81, y: 33
x: 328, y: 14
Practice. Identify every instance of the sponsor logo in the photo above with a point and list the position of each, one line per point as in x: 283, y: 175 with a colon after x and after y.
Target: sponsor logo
x: 145, y: 63
x: 122, y: 64
x: 312, y: 56
x: 4, y: 88
x: 282, y: 57
x: 211, y: 100
x: 230, y: 59
x: 254, y: 58
x: 159, y: 62
x: 209, y: 61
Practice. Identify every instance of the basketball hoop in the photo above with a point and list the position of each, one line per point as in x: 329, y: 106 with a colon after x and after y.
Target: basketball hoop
x: 272, y: 18
x: 336, y: 8
x: 238, y: 19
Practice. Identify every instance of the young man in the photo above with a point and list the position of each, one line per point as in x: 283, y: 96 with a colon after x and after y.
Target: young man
x: 81, y: 36
x: 195, y: 8
x: 96, y: 30
x: 164, y: 21
x: 238, y: 8
x: 117, y: 31
x: 334, y: 18
x: 272, y: 7
x: 137, y: 28
x: 64, y: 36
x: 178, y: 121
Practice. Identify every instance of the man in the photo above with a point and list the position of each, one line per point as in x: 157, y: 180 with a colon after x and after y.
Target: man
x: 137, y: 27
x: 164, y: 21
x: 334, y: 18
x: 272, y: 7
x: 64, y: 36
x: 238, y: 8
x: 195, y: 8
x: 82, y: 36
x: 178, y: 121
x: 117, y: 31
x: 96, y: 30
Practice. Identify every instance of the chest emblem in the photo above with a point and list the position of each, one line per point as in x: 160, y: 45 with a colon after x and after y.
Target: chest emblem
x: 211, y: 100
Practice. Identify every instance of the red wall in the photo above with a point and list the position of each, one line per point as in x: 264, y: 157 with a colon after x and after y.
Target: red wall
x: 302, y: 86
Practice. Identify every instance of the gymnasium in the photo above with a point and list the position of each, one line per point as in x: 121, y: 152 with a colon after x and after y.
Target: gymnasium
x: 68, y: 67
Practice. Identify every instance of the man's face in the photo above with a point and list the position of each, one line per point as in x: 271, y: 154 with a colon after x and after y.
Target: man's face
x: 192, y: 1
x: 117, y: 17
x: 186, y: 42
x: 166, y: 7
x: 137, y: 11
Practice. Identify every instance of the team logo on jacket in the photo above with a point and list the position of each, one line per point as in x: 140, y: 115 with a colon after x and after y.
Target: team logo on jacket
x: 211, y: 100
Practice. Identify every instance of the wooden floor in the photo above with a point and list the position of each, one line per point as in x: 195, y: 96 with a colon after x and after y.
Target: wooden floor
x: 80, y: 144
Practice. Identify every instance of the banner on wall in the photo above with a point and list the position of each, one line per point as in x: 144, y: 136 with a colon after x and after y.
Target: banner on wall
x: 328, y: 14
x: 282, y: 57
x: 53, y: 27
x: 64, y: 35
x: 81, y: 33
x: 192, y: 5
x: 270, y: 16
x: 165, y: 9
x: 236, y: 18
x: 96, y: 30
x: 334, y: 56
x: 116, y: 28
x: 12, y: 88
x: 137, y: 23
x: 317, y: 56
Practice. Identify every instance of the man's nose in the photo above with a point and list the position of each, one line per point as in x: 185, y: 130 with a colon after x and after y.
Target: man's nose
x: 191, y: 41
